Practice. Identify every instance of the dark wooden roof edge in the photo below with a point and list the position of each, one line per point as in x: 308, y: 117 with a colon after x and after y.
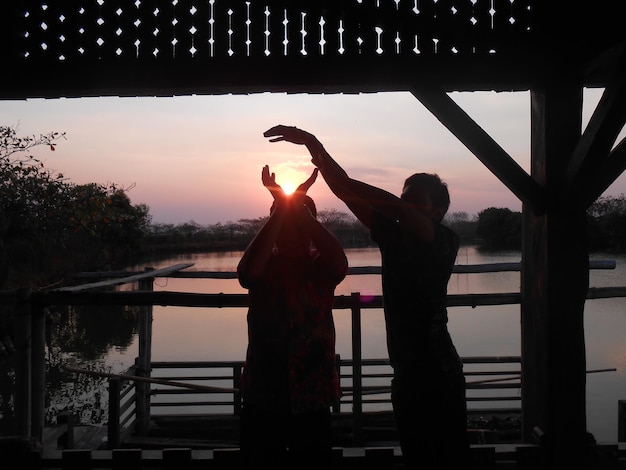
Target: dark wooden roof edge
x: 289, y: 75
x: 582, y: 40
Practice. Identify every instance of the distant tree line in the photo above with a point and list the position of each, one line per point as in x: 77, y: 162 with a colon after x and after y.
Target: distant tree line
x: 191, y: 236
x: 50, y: 227
x: 501, y: 228
x: 494, y: 228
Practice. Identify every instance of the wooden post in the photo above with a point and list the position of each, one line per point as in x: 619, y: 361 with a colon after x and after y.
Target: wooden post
x: 114, y: 431
x: 621, y: 421
x: 378, y: 458
x: 176, y: 458
x: 555, y: 281
x: 237, y: 394
x: 336, y: 407
x: 143, y: 364
x: 357, y: 378
x: 38, y: 368
x: 126, y: 459
x: 23, y: 363
x: 76, y: 459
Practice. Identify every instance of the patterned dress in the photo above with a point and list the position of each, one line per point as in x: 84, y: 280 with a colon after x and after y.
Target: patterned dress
x: 290, y: 361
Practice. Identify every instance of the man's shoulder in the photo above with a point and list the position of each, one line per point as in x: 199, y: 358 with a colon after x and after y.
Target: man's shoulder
x: 448, y: 232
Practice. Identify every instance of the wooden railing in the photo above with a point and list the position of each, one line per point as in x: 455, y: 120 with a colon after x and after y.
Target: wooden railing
x: 29, y: 365
x: 365, y: 382
x: 491, y: 382
x: 123, y: 409
x: 374, y: 384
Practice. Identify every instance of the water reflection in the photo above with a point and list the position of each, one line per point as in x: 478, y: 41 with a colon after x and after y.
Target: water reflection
x: 221, y: 334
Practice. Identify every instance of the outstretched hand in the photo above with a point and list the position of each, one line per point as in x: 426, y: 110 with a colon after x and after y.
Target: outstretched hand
x: 287, y: 133
x: 294, y: 135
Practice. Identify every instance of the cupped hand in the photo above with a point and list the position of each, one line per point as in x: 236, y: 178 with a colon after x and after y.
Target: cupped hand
x: 304, y: 187
x: 296, y: 200
x: 269, y: 181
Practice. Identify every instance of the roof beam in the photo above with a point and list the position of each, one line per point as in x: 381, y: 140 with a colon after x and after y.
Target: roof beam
x: 487, y: 150
x: 613, y: 167
x: 590, y: 157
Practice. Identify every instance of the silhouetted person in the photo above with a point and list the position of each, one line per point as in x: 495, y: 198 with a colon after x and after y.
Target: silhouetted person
x: 418, y: 254
x: 291, y: 269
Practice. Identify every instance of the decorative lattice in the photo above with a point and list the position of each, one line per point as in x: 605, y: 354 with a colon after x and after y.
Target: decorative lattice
x: 64, y: 30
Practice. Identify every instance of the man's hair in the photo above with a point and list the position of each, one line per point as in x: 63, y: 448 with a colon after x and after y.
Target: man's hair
x: 307, y: 201
x: 431, y: 182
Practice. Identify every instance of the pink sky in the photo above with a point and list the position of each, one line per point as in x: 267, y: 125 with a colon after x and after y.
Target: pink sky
x: 200, y: 158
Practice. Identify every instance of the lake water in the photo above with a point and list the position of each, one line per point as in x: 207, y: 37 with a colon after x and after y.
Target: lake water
x: 190, y: 334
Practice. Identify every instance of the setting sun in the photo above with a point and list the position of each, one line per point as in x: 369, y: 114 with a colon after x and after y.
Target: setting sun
x: 288, y: 187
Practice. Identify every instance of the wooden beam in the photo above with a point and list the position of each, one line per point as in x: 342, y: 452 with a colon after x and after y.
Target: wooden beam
x: 554, y: 284
x: 594, y: 146
x: 482, y: 146
x: 613, y: 167
x: 603, y: 63
x: 135, y: 378
x: 124, y: 280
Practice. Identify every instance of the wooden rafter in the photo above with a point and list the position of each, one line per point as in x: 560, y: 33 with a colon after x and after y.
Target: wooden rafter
x: 614, y: 166
x: 585, y: 174
x: 487, y: 150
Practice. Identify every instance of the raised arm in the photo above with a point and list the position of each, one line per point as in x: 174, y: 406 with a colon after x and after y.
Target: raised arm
x: 361, y: 198
x: 335, y: 176
x: 258, y: 252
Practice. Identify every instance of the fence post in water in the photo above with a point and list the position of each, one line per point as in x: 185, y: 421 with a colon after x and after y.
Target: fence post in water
x: 237, y: 394
x: 143, y: 365
x: 336, y: 407
x: 38, y: 370
x: 357, y: 379
x: 23, y: 382
x: 621, y: 421
x: 114, y: 431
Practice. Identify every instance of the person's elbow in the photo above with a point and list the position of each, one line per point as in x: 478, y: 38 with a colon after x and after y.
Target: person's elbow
x: 245, y: 276
x: 341, y: 268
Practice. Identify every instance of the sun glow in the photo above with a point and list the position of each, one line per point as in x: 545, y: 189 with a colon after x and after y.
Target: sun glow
x: 288, y: 187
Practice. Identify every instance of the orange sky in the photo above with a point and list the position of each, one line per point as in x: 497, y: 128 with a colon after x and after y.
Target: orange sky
x: 200, y: 158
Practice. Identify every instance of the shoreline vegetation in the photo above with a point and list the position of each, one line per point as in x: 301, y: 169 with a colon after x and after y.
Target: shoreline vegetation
x: 51, y: 227
x: 493, y: 229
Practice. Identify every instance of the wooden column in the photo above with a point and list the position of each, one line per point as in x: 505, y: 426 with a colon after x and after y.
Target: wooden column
x: 143, y: 364
x: 23, y: 363
x: 357, y: 370
x: 555, y: 280
x: 38, y: 368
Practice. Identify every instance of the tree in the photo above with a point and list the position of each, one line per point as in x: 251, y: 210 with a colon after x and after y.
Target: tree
x: 463, y: 224
x: 50, y: 227
x: 26, y: 221
x: 499, y: 229
x: 607, y: 224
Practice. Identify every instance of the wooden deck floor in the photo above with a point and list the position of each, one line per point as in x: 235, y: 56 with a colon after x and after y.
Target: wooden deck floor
x: 211, y: 442
x: 221, y: 431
